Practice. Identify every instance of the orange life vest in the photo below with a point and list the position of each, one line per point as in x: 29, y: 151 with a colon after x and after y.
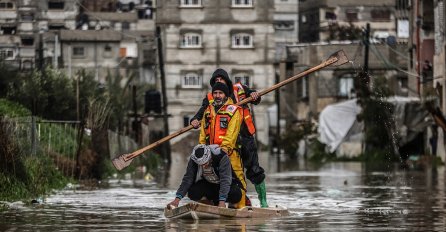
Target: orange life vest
x: 239, y: 94
x: 216, y: 129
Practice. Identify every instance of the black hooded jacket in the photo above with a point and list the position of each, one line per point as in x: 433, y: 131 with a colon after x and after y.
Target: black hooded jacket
x: 222, y: 73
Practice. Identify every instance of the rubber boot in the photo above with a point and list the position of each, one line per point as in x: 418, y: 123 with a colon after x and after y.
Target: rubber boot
x: 261, y: 192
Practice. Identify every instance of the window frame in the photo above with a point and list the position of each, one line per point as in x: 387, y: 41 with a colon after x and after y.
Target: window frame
x: 350, y: 81
x: 75, y: 55
x: 242, y: 35
x: 242, y: 3
x: 243, y: 76
x: 59, y: 3
x: 187, y: 39
x: 349, y: 13
x: 190, y: 4
x: 284, y: 25
x: 376, y: 15
x: 186, y: 78
x: 7, y: 51
x: 6, y: 4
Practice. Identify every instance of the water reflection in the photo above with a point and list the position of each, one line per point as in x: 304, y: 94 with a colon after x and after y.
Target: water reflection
x: 333, y: 196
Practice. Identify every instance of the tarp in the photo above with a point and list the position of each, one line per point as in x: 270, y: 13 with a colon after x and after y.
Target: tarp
x: 337, y: 122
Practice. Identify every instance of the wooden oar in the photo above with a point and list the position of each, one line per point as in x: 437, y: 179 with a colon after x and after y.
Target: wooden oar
x: 336, y: 59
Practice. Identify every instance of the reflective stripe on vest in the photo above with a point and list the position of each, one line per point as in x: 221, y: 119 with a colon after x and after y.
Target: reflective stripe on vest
x: 239, y: 94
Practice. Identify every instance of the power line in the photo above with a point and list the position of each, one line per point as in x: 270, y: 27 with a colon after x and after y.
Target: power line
x: 388, y: 63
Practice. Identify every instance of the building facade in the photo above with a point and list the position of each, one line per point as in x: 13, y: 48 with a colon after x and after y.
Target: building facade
x: 319, y: 18
x: 98, y: 36
x: 202, y: 35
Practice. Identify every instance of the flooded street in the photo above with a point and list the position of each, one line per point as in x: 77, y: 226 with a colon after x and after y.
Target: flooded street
x: 330, y: 197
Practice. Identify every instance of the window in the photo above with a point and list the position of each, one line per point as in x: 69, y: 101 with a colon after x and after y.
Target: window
x: 345, y: 86
x: 351, y: 15
x: 243, y: 78
x: 303, y: 19
x: 78, y: 51
x: 403, y: 82
x: 242, y: 3
x: 284, y: 25
x: 380, y: 15
x: 190, y: 3
x: 125, y: 26
x: 27, y: 17
x: 56, y: 5
x: 8, y: 30
x: 191, y: 40
x: 6, y: 5
x: 330, y: 15
x: 28, y: 41
x: 191, y: 80
x: 107, y: 51
x: 6, y: 54
x: 242, y: 40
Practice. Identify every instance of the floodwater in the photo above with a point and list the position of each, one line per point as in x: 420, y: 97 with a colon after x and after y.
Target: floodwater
x: 329, y: 197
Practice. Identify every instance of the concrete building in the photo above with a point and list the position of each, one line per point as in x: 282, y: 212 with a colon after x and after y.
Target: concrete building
x: 326, y: 26
x: 286, y: 25
x: 438, y: 11
x: 320, y: 18
x: 202, y: 35
x: 23, y: 22
x: 71, y: 35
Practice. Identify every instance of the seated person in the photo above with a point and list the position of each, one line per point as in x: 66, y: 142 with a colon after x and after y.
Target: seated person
x: 209, y: 175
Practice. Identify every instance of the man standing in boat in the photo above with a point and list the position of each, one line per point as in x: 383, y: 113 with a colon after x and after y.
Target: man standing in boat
x: 221, y: 125
x: 250, y: 158
x: 209, y: 174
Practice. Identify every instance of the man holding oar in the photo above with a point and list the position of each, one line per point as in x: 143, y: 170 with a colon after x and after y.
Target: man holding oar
x: 220, y: 127
x: 247, y: 143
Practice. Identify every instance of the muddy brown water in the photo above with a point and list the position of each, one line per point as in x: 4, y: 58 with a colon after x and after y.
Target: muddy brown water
x: 329, y: 197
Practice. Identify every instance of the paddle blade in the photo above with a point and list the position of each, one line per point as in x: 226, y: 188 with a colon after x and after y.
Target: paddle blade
x: 120, y: 162
x: 340, y: 56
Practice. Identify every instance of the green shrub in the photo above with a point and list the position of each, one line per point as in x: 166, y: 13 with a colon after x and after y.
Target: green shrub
x: 12, y: 189
x: 12, y: 109
x: 42, y: 175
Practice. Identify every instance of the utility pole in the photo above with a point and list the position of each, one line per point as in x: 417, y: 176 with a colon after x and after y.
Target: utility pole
x: 135, y: 115
x: 163, y: 90
x: 366, y: 53
x: 41, y: 51
x: 277, y: 93
x: 418, y: 44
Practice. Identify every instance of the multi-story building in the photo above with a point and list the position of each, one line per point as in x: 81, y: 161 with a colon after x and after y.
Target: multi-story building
x: 326, y: 26
x: 437, y: 81
x: 200, y: 36
x: 23, y: 22
x: 99, y: 36
x: 342, y: 24
x: 319, y: 18
x: 286, y: 25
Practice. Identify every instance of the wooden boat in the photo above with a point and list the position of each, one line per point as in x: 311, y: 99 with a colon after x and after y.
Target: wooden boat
x: 195, y: 210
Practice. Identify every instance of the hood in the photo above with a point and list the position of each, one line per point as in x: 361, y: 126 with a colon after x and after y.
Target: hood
x: 221, y: 73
